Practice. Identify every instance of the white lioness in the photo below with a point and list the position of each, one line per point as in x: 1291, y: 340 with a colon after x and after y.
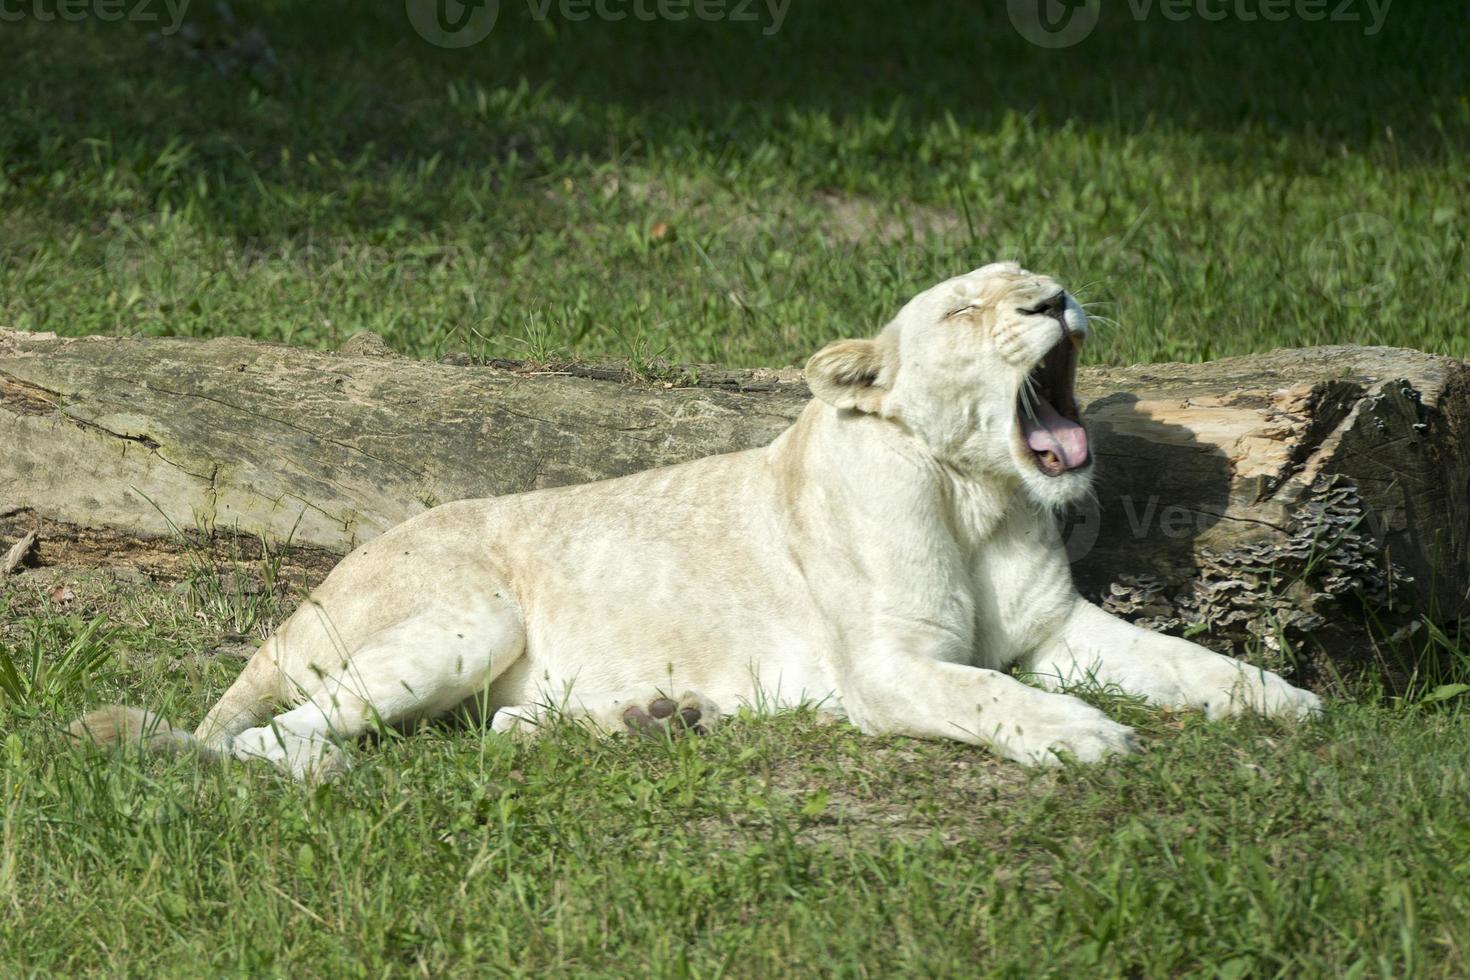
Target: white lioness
x: 889, y: 557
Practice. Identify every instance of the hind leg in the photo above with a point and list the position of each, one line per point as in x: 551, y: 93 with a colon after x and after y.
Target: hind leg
x: 420, y: 668
x: 248, y: 702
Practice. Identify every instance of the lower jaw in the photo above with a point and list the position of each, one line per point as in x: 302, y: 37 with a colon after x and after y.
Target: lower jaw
x: 1053, y: 473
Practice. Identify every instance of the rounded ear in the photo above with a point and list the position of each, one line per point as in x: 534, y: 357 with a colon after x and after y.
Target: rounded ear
x: 852, y: 373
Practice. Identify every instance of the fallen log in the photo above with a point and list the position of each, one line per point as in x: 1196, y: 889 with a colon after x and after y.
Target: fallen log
x: 1318, y: 495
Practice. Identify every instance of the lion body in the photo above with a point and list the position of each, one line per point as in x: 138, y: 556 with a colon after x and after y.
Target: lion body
x: 887, y: 559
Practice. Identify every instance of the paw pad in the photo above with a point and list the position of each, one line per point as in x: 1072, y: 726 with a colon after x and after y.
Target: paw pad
x: 666, y: 716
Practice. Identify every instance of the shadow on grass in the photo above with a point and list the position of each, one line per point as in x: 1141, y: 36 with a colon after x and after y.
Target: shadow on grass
x: 343, y: 82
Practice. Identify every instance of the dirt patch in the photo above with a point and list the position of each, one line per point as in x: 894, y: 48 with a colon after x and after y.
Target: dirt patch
x: 166, y: 559
x: 858, y: 220
x: 852, y: 790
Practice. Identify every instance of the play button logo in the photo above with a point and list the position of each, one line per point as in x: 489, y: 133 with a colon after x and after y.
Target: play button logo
x: 453, y: 23
x: 1054, y: 23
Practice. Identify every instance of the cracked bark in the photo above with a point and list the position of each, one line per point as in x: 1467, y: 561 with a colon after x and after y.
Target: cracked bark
x: 1207, y: 472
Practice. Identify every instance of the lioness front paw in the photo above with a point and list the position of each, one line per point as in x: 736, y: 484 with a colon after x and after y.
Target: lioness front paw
x: 1063, y: 727
x: 1261, y: 692
x: 690, y: 714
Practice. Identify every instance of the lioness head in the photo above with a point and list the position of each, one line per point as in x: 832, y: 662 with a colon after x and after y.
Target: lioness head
x: 981, y: 370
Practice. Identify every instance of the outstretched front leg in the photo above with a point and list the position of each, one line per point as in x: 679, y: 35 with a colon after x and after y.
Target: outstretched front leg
x: 1093, y: 645
x: 909, y: 688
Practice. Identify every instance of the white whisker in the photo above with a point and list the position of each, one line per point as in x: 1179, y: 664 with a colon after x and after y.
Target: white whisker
x: 1077, y: 293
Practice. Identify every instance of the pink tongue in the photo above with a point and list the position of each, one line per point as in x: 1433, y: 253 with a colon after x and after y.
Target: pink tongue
x: 1050, y: 432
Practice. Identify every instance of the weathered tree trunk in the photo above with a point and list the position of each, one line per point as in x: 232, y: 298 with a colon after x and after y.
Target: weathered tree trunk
x: 1298, y: 494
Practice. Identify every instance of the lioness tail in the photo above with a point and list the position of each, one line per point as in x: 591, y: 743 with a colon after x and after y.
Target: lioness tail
x: 133, y: 727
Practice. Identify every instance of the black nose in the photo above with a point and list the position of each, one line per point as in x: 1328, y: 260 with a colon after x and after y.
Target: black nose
x: 1055, y: 307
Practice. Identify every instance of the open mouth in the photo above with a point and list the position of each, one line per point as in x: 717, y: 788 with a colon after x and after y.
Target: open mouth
x: 1046, y: 409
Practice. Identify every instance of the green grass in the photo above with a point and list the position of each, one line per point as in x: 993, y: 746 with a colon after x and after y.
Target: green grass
x: 775, y: 845
x: 1217, y: 188
x: 1214, y: 188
